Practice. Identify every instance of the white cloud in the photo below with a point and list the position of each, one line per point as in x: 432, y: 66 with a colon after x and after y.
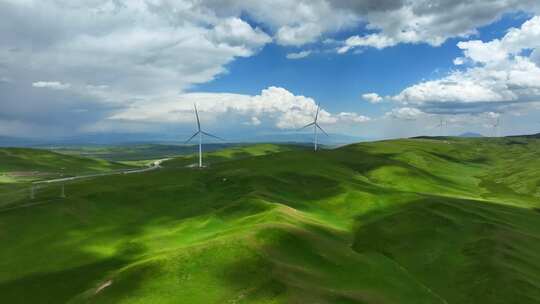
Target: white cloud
x: 298, y: 35
x: 373, y: 40
x: 372, y: 97
x: 405, y: 113
x: 513, y: 43
x: 391, y: 21
x: 493, y: 115
x: 456, y: 87
x: 137, y: 48
x: 54, y: 85
x: 275, y: 104
x: 299, y: 55
x: 254, y: 121
x: 114, y: 56
x: 352, y: 117
x: 459, y: 61
x: 431, y: 22
x: 236, y: 32
x: 500, y: 74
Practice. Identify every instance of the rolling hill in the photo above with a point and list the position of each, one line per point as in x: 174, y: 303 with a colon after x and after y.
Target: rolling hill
x: 450, y: 220
x: 47, y: 162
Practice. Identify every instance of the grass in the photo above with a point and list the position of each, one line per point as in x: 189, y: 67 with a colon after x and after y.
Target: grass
x: 136, y: 152
x: 403, y: 221
x: 35, y: 163
x: 21, y: 166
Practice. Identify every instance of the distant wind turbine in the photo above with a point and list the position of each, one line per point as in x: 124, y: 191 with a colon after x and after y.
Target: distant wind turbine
x: 200, y: 133
x: 316, y: 126
x: 442, y: 123
x: 496, y: 125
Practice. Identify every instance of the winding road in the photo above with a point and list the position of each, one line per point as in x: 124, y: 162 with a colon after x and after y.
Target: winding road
x: 152, y: 166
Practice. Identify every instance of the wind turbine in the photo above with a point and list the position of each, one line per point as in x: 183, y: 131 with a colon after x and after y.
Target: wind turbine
x: 441, y: 124
x: 200, y: 133
x: 316, y: 126
x: 496, y: 127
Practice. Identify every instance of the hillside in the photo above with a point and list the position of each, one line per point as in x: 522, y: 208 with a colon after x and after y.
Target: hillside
x: 135, y: 152
x: 404, y: 221
x: 35, y: 163
x: 20, y: 166
x: 537, y: 135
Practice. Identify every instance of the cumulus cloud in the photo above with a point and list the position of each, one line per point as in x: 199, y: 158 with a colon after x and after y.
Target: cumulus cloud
x: 110, y: 54
x: 54, y: 85
x: 493, y: 115
x: 390, y: 21
x: 373, y: 40
x: 236, y: 32
x: 405, y: 113
x: 299, y: 55
x: 372, y: 97
x: 459, y: 61
x: 501, y: 74
x: 351, y: 117
x: 427, y: 21
x: 254, y: 121
x: 283, y: 108
x: 135, y: 47
x: 113, y: 56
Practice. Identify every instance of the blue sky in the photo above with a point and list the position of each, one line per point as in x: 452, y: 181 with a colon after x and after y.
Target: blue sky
x: 75, y: 68
x: 338, y: 80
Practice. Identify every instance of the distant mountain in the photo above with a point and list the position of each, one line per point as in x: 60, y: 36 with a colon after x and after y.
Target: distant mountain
x: 471, y: 134
x: 7, y: 141
x: 142, y: 138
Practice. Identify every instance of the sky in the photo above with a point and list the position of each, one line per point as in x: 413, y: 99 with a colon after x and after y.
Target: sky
x: 378, y: 68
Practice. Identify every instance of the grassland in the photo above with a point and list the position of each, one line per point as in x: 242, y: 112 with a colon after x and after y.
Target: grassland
x: 406, y: 221
x: 30, y: 162
x: 21, y: 166
x: 137, y: 152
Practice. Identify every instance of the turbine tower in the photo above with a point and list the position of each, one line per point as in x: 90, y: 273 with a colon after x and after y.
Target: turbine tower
x: 316, y: 126
x: 200, y: 133
x: 442, y: 123
x: 496, y: 127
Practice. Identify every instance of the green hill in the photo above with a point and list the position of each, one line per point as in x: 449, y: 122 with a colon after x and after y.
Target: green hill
x: 406, y: 221
x: 19, y: 166
x: 135, y: 152
x: 42, y: 162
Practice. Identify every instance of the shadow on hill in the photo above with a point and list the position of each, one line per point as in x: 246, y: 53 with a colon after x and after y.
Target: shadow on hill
x: 58, y: 286
x: 391, y: 171
x: 458, y: 248
x: 125, y: 208
x: 474, y: 160
x: 465, y: 251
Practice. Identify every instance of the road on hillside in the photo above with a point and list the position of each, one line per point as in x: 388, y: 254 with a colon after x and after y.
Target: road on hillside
x: 152, y: 166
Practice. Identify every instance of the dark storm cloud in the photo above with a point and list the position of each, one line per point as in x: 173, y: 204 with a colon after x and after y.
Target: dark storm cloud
x: 94, y: 59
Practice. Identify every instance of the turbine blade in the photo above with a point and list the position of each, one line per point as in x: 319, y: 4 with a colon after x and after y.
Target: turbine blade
x: 308, y: 125
x: 211, y: 135
x: 197, y: 115
x: 317, y: 113
x: 322, y: 130
x: 196, y: 133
